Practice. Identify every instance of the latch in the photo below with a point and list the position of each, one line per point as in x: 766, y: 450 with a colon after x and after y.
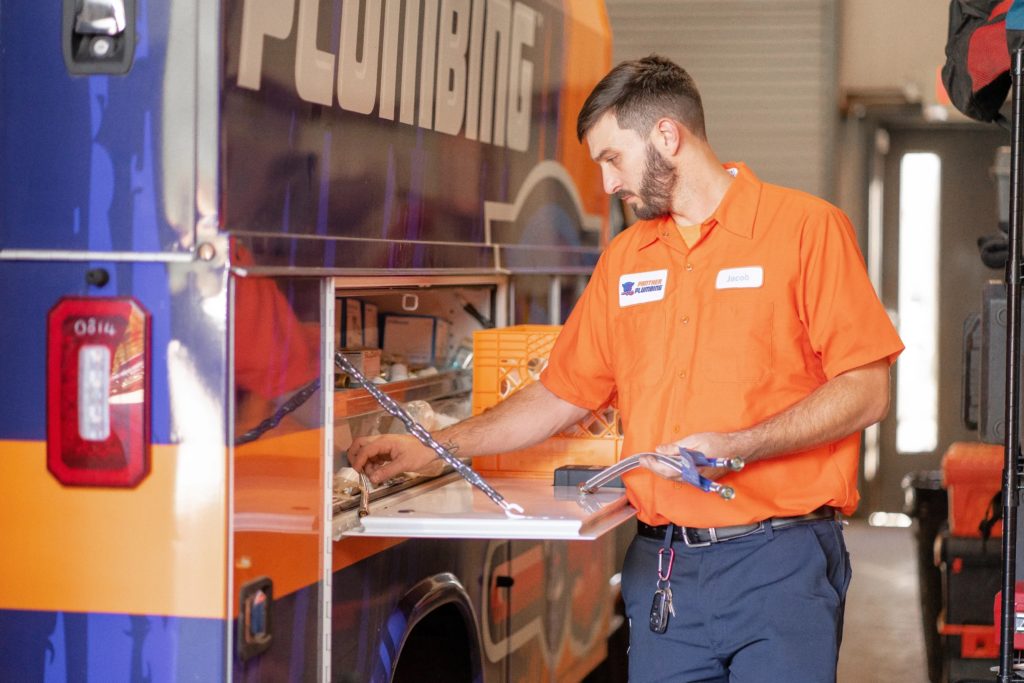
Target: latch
x: 254, y: 623
x: 99, y: 36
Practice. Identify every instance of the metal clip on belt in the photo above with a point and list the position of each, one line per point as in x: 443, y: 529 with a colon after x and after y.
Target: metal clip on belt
x: 686, y: 464
x: 423, y: 436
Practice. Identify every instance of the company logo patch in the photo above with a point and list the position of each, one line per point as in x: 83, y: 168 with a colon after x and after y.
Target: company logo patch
x: 750, y: 277
x: 642, y: 288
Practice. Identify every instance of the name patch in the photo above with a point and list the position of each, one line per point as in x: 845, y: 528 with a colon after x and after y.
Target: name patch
x: 750, y: 277
x: 642, y: 288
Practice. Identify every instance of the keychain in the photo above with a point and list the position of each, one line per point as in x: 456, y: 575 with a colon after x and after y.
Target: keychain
x: 661, y: 607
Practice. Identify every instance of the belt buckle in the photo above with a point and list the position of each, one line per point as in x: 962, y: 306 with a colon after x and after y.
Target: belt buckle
x: 698, y: 544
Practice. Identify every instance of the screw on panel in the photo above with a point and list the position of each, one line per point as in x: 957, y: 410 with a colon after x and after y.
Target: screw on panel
x: 97, y: 277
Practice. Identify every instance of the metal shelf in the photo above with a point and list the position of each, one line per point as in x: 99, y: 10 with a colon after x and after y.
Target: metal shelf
x: 350, y: 403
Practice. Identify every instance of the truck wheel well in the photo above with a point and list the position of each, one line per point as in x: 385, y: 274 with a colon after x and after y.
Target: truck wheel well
x: 438, y: 648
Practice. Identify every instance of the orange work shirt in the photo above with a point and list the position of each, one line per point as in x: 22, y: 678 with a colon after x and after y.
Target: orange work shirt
x: 274, y: 353
x: 770, y: 303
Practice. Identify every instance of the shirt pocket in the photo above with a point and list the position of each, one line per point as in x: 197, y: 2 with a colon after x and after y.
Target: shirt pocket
x: 641, y: 345
x: 736, y: 343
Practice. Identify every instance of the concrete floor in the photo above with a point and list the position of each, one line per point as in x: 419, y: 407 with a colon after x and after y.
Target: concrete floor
x: 883, y: 638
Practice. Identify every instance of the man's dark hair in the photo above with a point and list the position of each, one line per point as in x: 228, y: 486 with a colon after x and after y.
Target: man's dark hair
x: 641, y: 91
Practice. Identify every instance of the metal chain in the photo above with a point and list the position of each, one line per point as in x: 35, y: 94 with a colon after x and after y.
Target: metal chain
x: 292, y: 404
x: 423, y: 436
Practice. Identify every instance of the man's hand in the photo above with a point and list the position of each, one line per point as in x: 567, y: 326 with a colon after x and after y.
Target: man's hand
x: 383, y: 457
x: 525, y: 418
x: 711, y: 444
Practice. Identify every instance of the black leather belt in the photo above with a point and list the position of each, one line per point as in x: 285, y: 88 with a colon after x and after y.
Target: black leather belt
x: 697, y: 537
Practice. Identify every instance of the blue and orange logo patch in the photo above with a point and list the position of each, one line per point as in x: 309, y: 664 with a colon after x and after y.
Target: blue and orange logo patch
x: 642, y: 287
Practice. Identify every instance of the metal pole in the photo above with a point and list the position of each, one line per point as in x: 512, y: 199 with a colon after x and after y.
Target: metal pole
x: 1011, y: 448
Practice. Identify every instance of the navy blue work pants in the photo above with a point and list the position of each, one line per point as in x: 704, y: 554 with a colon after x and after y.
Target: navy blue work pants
x: 764, y: 608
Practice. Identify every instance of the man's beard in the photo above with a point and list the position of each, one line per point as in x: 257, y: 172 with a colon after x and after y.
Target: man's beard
x: 656, y: 187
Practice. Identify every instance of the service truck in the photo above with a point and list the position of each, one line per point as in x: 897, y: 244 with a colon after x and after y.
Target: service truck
x: 202, y: 202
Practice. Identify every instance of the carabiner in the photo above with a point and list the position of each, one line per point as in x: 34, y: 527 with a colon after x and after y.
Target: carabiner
x: 664, y: 576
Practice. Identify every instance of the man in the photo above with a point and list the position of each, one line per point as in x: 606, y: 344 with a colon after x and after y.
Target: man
x: 735, y: 319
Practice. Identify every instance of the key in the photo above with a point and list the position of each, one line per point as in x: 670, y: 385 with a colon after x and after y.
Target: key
x: 668, y: 599
x: 660, y: 610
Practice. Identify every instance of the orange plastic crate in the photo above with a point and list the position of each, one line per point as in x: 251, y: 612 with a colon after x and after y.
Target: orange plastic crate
x: 507, y: 359
x: 972, y: 474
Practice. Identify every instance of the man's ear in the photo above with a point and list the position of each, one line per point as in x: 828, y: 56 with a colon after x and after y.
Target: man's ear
x: 668, y: 136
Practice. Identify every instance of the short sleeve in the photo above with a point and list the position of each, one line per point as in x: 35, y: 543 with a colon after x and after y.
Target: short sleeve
x: 847, y: 324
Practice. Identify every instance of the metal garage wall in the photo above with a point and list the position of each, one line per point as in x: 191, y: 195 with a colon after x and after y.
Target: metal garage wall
x: 766, y: 70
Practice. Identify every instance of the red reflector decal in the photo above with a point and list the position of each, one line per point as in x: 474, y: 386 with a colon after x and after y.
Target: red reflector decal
x: 98, y: 391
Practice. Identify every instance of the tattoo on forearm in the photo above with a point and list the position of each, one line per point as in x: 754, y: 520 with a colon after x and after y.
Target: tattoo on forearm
x: 451, y: 446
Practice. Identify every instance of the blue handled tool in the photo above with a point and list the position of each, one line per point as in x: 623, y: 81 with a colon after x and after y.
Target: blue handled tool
x: 686, y: 464
x: 690, y: 460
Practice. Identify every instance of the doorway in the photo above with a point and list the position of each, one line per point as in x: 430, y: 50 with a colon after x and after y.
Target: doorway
x: 940, y: 172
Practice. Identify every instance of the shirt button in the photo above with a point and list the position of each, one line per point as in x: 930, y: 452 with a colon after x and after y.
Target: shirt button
x: 682, y: 374
x: 675, y: 429
x: 689, y: 267
x: 686, y: 320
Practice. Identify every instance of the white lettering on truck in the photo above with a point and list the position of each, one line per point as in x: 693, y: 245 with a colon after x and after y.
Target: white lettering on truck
x: 464, y: 71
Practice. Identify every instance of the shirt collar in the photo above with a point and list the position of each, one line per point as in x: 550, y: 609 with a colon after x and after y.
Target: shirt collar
x: 652, y: 230
x: 738, y: 207
x: 735, y: 212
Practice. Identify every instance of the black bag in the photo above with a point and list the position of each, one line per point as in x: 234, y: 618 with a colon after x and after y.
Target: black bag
x: 977, y: 69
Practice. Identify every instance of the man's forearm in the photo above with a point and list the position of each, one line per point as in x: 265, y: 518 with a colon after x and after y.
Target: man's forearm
x: 528, y: 417
x: 842, y: 406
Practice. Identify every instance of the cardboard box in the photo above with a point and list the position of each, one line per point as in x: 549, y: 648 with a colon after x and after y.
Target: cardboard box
x: 366, y: 361
x: 371, y: 336
x: 441, y: 330
x: 414, y: 338
x: 348, y: 323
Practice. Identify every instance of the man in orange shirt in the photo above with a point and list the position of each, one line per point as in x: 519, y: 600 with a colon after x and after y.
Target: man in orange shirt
x: 735, y: 319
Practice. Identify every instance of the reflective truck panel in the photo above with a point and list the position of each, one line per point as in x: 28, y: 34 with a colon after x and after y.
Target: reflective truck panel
x: 342, y: 122
x: 237, y: 157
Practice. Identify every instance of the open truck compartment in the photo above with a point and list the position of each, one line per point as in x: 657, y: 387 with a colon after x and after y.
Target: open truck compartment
x: 430, y: 372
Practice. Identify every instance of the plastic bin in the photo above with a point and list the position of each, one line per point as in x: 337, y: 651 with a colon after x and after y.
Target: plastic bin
x: 972, y: 475
x: 507, y: 359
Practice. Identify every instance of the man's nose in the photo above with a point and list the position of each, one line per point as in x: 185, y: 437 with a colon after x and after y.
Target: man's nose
x: 612, y: 183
